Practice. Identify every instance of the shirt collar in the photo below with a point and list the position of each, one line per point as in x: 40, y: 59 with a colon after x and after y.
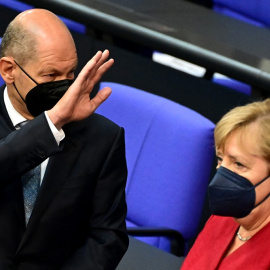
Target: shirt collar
x: 14, y: 116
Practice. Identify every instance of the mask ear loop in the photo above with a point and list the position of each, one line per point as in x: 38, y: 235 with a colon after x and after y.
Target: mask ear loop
x: 27, y: 76
x: 18, y: 92
x: 258, y: 185
x: 25, y: 73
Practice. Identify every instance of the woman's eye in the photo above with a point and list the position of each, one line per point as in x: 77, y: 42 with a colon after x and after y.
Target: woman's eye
x: 219, y: 160
x: 238, y: 164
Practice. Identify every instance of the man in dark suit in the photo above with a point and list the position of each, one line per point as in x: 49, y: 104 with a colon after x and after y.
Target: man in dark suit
x: 77, y: 219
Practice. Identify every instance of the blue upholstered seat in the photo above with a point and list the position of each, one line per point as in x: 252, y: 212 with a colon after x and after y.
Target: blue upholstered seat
x: 251, y: 11
x: 169, y: 150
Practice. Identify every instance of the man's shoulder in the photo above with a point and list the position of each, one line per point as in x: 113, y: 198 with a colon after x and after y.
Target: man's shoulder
x: 101, y: 122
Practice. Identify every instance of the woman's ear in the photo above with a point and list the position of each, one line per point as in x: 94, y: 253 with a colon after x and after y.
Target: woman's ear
x: 7, y: 67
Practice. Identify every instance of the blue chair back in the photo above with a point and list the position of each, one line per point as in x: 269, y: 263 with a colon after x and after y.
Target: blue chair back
x: 233, y: 84
x: 251, y: 11
x: 169, y: 151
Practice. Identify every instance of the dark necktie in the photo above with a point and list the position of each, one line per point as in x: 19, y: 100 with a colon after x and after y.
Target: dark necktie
x: 31, y: 186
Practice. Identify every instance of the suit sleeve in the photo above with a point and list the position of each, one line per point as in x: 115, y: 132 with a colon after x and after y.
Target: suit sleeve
x: 23, y: 149
x: 107, y: 241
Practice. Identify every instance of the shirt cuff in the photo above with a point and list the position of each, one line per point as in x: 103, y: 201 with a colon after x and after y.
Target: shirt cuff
x: 59, y: 135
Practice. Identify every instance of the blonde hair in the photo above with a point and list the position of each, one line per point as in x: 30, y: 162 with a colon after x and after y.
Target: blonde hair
x: 240, y: 119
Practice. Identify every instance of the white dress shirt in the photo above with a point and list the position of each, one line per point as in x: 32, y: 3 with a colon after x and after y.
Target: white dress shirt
x: 16, y: 118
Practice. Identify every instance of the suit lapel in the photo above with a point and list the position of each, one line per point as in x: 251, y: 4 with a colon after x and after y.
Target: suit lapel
x: 58, y: 169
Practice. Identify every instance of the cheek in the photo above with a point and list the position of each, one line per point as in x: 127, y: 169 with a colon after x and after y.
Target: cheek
x: 24, y: 86
x: 262, y: 191
x: 20, y: 80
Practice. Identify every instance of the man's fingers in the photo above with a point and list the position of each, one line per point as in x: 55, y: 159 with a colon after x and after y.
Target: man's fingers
x: 101, y: 96
x: 103, y: 58
x: 100, y: 72
x: 100, y: 58
x: 91, y: 69
x: 96, y: 57
x: 100, y: 62
x: 84, y: 74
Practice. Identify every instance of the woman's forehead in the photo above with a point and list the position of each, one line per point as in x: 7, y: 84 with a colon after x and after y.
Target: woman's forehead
x: 246, y: 139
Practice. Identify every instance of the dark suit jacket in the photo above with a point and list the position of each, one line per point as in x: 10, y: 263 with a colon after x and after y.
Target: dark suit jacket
x: 78, y: 221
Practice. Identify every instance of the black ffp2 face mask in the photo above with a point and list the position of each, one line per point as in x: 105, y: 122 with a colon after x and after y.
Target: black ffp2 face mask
x: 44, y: 96
x: 232, y: 195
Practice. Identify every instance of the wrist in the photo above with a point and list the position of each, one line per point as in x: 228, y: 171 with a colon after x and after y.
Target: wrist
x: 56, y: 118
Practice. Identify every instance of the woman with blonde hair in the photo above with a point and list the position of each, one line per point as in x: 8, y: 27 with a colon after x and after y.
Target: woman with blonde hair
x: 237, y: 235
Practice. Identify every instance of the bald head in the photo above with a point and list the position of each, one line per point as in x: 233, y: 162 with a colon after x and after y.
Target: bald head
x: 29, y: 30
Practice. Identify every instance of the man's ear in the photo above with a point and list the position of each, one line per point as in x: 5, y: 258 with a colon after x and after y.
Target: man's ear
x: 7, y: 67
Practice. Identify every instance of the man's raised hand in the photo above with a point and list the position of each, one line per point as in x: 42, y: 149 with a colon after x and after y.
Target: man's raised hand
x: 76, y: 104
